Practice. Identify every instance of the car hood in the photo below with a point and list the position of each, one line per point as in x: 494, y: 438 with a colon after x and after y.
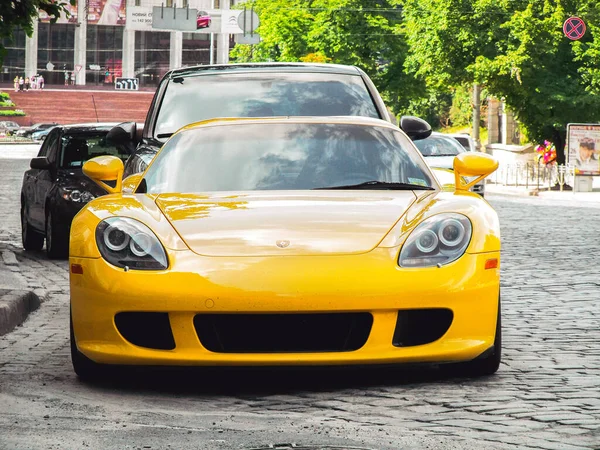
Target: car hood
x: 443, y: 162
x: 284, y: 223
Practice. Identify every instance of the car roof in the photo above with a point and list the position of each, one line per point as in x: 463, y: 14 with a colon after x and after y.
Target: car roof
x: 265, y: 67
x: 83, y: 127
x: 345, y: 120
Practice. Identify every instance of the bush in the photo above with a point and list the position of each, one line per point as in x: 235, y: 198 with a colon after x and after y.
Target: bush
x: 10, y: 113
x: 4, y: 97
x: 6, y: 103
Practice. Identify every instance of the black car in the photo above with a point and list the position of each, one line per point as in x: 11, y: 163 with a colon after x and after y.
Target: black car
x: 55, y: 188
x: 199, y: 93
x: 28, y: 131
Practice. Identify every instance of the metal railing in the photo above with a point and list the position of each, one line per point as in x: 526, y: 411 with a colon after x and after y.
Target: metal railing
x: 533, y: 175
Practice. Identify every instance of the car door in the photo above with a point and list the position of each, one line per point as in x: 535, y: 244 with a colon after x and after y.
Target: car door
x: 44, y: 180
x: 29, y: 188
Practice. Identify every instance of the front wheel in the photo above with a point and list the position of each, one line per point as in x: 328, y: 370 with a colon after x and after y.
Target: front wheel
x: 32, y: 240
x: 85, y: 368
x: 57, y: 243
x: 488, y: 364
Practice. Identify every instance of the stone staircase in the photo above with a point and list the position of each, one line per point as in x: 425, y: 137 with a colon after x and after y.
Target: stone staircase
x: 66, y: 106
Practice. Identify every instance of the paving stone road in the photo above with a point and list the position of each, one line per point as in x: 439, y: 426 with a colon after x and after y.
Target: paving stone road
x: 546, y: 394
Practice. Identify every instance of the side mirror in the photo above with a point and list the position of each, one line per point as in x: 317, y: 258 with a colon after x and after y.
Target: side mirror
x: 105, y: 168
x: 40, y: 163
x: 124, y: 135
x: 470, y: 164
x: 415, y: 128
x: 131, y: 182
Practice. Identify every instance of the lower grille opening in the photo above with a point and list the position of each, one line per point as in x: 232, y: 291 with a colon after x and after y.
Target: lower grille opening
x: 421, y: 326
x: 283, y: 333
x: 146, y: 329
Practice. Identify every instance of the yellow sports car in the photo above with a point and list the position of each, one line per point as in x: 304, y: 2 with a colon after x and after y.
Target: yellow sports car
x: 286, y: 241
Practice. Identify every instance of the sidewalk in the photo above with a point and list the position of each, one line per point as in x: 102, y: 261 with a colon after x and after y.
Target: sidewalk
x: 17, y: 300
x: 558, y: 198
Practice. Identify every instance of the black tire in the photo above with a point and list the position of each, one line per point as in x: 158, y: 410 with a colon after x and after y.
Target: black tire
x: 57, y: 242
x: 489, y: 363
x: 85, y: 368
x: 32, y: 240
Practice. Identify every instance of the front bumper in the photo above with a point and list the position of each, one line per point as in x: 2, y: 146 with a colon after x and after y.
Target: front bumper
x: 369, y: 283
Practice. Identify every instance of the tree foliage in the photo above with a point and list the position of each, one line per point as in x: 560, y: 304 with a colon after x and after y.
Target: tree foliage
x: 23, y: 13
x: 364, y: 33
x: 517, y: 49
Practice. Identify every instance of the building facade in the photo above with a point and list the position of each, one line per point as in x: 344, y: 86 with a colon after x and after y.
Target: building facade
x: 95, y: 45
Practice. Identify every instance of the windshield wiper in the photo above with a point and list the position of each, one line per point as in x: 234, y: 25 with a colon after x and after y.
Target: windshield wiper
x: 381, y: 185
x: 164, y: 135
x: 443, y: 154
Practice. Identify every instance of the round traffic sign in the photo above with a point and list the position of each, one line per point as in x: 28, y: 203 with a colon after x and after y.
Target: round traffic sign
x: 574, y: 28
x: 248, y: 21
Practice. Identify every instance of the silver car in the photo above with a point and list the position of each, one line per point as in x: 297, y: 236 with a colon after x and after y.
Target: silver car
x: 439, y: 151
x: 9, y: 127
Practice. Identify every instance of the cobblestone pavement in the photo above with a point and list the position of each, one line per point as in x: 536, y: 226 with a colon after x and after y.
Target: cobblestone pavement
x: 546, y: 394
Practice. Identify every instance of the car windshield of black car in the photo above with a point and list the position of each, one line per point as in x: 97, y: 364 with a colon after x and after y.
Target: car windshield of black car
x: 78, y: 148
x: 197, y: 98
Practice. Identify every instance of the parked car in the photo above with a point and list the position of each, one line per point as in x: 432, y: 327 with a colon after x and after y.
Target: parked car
x: 439, y: 151
x: 9, y: 127
x: 466, y: 141
x: 203, y: 20
x: 40, y: 135
x: 286, y: 241
x: 28, y: 131
x: 199, y: 93
x: 55, y: 189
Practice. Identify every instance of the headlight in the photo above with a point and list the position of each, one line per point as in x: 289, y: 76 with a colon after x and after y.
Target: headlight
x: 440, y: 239
x: 130, y: 244
x: 76, y: 195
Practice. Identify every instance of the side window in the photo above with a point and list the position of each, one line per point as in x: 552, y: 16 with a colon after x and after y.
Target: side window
x: 52, y: 149
x: 52, y: 138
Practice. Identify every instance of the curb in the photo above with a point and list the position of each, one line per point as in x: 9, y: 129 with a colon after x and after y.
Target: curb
x: 15, y: 306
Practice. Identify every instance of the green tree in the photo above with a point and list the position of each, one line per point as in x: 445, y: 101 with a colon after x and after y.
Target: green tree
x: 23, y: 13
x: 517, y: 49
x: 364, y: 33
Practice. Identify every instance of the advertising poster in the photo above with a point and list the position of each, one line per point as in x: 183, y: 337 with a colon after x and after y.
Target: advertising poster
x: 99, y: 12
x: 583, y: 140
x: 106, y: 12
x: 43, y: 16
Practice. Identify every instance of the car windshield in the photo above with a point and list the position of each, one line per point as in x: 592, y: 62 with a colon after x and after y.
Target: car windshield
x: 439, y: 146
x: 78, y: 148
x: 285, y: 156
x: 463, y: 141
x: 192, y: 99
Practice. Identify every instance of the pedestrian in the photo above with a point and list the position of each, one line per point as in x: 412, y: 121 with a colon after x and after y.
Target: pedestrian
x: 41, y: 81
x: 16, y: 82
x: 27, y: 83
x: 107, y: 76
x: 33, y: 82
x: 66, y: 78
x: 21, y: 83
x: 73, y: 78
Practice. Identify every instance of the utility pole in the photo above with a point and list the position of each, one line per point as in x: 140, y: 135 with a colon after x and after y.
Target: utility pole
x: 476, y: 113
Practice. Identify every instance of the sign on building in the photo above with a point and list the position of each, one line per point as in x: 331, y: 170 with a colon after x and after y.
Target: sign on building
x: 583, y: 143
x: 127, y: 84
x: 191, y: 20
x: 139, y: 18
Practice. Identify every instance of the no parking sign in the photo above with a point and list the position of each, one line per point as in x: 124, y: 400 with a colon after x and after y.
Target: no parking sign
x: 574, y: 28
